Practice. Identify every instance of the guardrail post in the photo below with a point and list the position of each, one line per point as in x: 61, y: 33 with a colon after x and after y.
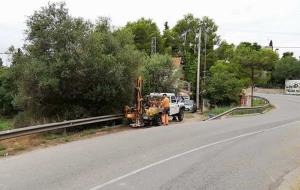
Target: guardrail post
x: 65, y: 131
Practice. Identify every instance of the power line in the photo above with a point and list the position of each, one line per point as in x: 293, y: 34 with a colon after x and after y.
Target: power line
x: 291, y: 47
x: 153, y: 45
x: 267, y: 32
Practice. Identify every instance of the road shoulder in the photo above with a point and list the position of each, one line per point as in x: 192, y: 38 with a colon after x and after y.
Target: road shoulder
x: 291, y: 181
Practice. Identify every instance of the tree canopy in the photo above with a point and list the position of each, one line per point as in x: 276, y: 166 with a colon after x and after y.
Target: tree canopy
x: 160, y: 75
x: 72, y: 68
x: 224, y: 86
x: 287, y: 67
x: 143, y: 31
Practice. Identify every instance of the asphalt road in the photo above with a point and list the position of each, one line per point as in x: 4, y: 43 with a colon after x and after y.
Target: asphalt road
x: 252, y: 152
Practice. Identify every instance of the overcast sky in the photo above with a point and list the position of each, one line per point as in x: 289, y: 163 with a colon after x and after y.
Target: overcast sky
x: 238, y: 20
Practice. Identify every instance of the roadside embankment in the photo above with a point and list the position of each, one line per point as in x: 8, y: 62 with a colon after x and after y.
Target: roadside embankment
x: 291, y: 181
x: 31, y: 142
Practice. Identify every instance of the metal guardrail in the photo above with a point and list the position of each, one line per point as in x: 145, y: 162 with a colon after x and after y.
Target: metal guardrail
x: 59, y: 125
x: 261, y: 108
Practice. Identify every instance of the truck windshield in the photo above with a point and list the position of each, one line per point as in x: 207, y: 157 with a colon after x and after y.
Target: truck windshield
x: 189, y: 102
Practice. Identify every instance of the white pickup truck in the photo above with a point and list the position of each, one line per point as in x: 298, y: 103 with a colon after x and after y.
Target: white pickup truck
x: 176, y: 105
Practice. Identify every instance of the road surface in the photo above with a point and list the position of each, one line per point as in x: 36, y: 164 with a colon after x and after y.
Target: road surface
x: 244, y: 153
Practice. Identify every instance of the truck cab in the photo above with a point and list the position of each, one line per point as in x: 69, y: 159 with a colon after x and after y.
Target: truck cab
x: 176, y: 104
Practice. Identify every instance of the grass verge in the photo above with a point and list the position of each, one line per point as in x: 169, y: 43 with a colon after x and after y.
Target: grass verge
x: 5, y: 124
x: 219, y: 110
x: 258, y: 102
x: 216, y: 111
x: 252, y: 111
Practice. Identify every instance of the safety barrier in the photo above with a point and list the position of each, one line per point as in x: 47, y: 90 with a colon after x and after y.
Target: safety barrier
x: 255, y: 109
x: 59, y: 125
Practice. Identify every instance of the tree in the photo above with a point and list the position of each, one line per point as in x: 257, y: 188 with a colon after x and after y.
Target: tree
x: 160, y: 75
x: 255, y: 60
x: 71, y: 68
x: 7, y: 92
x: 225, y: 51
x: 254, y: 46
x: 286, y: 54
x: 169, y: 42
x: 16, y: 56
x: 287, y: 67
x: 144, y: 30
x: 224, y: 86
x: 210, y: 33
x: 1, y: 62
x: 166, y: 25
x: 185, y: 44
x: 186, y: 30
x: 190, y: 70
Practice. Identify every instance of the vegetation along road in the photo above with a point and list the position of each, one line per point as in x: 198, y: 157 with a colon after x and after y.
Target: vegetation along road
x: 253, y: 152
x: 70, y: 67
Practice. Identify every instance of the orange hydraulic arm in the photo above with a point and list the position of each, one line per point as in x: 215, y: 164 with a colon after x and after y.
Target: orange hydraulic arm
x: 139, y: 102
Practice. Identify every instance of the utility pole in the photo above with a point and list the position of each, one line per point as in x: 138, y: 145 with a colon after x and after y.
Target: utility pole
x: 271, y: 45
x: 153, y: 45
x: 198, y: 71
x: 252, y: 84
x: 205, y: 55
x: 203, y: 81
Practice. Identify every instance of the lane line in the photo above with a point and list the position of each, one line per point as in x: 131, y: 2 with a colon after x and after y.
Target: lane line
x: 185, y: 153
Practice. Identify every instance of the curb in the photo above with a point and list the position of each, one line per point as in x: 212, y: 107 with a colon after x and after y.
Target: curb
x: 291, y: 181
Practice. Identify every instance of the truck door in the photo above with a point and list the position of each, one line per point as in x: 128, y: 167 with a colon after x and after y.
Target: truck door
x: 173, y: 105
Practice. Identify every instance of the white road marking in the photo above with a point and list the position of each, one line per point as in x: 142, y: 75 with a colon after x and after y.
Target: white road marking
x: 273, y: 180
x: 185, y: 153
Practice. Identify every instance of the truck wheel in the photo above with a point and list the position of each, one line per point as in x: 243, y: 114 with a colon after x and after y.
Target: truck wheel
x: 158, y: 121
x: 180, y: 115
x: 128, y: 122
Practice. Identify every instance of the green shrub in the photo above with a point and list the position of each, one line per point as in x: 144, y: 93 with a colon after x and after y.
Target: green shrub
x: 219, y: 110
x: 88, y: 71
x: 258, y: 102
x: 160, y: 74
x: 2, y: 147
x: 224, y: 86
x: 5, y: 124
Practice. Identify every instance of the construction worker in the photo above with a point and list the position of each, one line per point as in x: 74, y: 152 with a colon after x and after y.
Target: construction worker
x: 165, y: 104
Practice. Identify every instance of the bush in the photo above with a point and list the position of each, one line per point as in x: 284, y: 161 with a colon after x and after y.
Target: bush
x: 5, y: 124
x: 286, y: 68
x: 23, y: 119
x: 224, y: 86
x: 88, y: 71
x: 2, y: 147
x: 160, y: 75
x: 7, y: 92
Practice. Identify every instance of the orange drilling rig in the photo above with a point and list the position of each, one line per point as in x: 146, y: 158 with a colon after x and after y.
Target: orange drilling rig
x: 146, y: 112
